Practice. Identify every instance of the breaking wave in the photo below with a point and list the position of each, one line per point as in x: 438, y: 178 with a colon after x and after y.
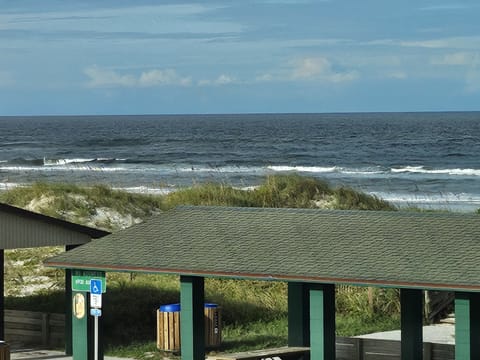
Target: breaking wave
x: 376, y: 170
x: 130, y: 165
x: 423, y: 170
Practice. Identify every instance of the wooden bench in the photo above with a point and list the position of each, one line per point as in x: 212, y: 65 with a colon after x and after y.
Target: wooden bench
x: 4, y: 351
x: 282, y: 353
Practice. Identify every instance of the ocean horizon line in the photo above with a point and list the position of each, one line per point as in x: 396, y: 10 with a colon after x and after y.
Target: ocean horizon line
x: 238, y: 113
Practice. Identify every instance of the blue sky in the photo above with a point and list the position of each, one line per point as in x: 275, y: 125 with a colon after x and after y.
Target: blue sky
x: 164, y: 57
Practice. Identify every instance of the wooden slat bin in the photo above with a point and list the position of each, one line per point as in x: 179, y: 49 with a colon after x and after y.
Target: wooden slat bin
x: 168, y: 327
x: 4, y: 351
x: 213, y: 325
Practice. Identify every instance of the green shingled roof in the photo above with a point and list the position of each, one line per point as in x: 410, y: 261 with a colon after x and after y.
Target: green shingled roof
x: 424, y: 250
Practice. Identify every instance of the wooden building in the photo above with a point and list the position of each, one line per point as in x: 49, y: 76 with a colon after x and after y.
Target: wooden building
x: 311, y: 250
x: 25, y: 229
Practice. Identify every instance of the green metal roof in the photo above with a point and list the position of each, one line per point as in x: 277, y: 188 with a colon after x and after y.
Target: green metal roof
x: 401, y: 249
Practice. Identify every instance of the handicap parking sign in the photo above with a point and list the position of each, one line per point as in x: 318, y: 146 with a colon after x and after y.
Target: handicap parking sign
x: 96, y: 286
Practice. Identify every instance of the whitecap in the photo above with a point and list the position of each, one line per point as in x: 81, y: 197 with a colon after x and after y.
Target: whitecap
x: 423, y: 170
x: 310, y: 169
x: 57, y: 162
x: 146, y: 190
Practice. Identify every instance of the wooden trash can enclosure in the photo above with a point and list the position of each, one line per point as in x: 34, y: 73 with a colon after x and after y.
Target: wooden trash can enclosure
x: 4, y: 351
x: 168, y: 326
x: 213, y: 327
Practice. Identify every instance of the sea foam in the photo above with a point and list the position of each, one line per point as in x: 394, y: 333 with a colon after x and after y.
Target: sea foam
x: 423, y: 170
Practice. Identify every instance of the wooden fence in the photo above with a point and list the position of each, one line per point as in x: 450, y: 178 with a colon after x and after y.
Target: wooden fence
x: 376, y: 349
x: 346, y: 349
x: 34, y: 328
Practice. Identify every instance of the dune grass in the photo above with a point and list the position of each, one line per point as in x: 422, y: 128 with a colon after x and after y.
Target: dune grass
x: 279, y: 191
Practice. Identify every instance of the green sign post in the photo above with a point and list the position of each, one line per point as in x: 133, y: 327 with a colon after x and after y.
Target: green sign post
x: 84, y: 345
x: 81, y: 280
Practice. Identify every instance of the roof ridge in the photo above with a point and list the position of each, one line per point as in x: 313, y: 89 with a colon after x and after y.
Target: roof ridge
x: 400, y: 213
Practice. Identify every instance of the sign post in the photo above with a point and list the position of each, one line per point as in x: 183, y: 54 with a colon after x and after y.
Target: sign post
x: 87, y: 285
x: 96, y: 289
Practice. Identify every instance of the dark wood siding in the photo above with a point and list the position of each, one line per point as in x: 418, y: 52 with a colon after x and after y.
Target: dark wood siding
x: 23, y: 232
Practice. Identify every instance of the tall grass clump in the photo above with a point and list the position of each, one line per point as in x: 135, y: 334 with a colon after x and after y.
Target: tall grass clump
x: 209, y: 194
x: 291, y: 191
x: 350, y: 199
x: 276, y: 191
x: 367, y: 302
x: 279, y: 191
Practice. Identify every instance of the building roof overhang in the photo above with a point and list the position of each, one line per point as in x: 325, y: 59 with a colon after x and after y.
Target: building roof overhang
x: 367, y: 248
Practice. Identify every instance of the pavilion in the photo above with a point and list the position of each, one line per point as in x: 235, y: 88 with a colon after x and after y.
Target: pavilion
x: 311, y: 250
x: 20, y: 228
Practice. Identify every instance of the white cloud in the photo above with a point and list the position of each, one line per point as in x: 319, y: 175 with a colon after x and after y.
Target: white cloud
x: 459, y: 42
x: 224, y: 79
x: 320, y: 68
x: 221, y: 80
x: 162, y: 77
x: 458, y: 58
x: 112, y: 18
x: 108, y: 78
x: 467, y: 63
x: 265, y: 77
x: 464, y: 42
x: 399, y: 75
x: 99, y: 77
x: 309, y: 68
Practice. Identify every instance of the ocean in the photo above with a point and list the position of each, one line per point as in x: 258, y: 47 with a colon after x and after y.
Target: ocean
x: 428, y: 160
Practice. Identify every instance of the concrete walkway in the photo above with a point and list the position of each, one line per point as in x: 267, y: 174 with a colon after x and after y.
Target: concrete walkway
x: 48, y: 354
x: 440, y: 334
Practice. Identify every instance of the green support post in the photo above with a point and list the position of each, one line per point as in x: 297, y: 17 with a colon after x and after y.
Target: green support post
x: 68, y: 306
x: 322, y: 322
x: 192, y: 322
x: 80, y: 326
x: 298, y: 314
x: 68, y: 312
x: 411, y: 303
x: 467, y: 326
x: 2, y: 298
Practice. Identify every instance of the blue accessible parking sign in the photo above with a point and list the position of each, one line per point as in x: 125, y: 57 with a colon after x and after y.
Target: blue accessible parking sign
x: 96, y: 286
x: 96, y: 312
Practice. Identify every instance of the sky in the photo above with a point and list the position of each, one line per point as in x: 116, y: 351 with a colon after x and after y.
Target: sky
x: 75, y: 57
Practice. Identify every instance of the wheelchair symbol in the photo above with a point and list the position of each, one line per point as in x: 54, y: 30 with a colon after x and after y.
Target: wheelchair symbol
x: 96, y: 286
